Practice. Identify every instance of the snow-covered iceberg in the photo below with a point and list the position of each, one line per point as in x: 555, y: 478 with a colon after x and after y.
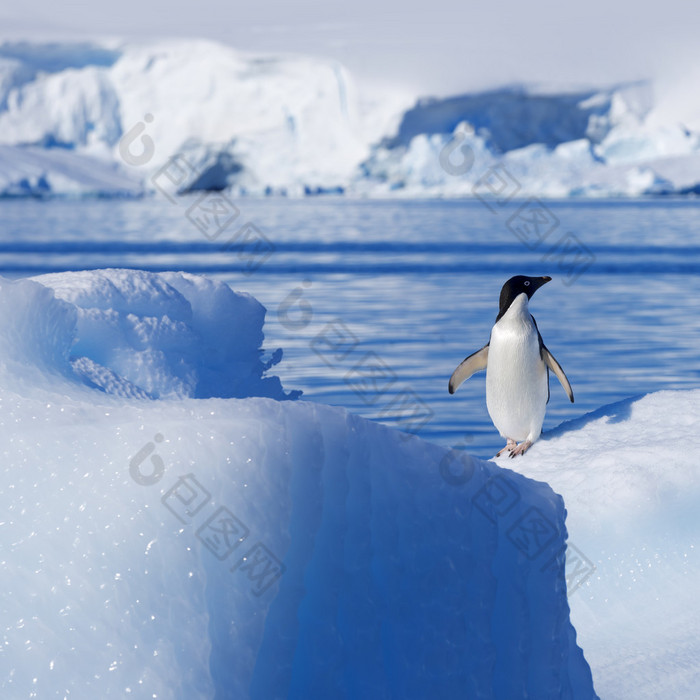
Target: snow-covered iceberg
x: 518, y: 141
x: 255, y: 122
x: 208, y: 117
x: 247, y: 547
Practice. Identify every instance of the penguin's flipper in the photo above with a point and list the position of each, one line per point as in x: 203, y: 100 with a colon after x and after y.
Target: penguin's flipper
x: 551, y: 362
x: 474, y: 363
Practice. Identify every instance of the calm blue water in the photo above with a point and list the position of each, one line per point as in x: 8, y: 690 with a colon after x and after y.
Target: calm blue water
x: 375, y: 303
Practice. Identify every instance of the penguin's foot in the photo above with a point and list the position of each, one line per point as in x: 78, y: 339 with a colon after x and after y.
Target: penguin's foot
x: 521, y: 449
x: 510, y: 446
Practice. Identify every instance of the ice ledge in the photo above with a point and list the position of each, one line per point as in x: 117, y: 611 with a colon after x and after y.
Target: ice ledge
x: 361, y: 562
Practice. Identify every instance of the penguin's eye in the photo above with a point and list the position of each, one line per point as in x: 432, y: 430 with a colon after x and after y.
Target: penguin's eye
x: 527, y: 283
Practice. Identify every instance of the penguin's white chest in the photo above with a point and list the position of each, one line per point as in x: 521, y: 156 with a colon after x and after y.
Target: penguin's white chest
x: 516, y: 376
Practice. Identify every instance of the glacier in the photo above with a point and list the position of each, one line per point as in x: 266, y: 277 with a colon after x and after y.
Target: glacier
x: 246, y: 544
x: 283, y: 123
x: 103, y: 119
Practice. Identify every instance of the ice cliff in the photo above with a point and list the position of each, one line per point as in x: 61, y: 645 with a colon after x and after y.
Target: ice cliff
x: 106, y: 119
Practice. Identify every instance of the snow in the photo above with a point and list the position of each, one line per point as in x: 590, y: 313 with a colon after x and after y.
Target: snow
x: 294, y: 125
x: 39, y: 172
x: 179, y: 547
x: 594, y: 143
x: 631, y: 500
x: 291, y: 121
x: 152, y: 330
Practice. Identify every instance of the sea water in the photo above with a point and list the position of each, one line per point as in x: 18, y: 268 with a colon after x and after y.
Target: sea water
x: 376, y: 302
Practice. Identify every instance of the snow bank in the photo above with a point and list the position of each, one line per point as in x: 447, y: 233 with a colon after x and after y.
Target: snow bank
x: 134, y: 333
x: 180, y: 548
x: 295, y: 125
x: 632, y: 492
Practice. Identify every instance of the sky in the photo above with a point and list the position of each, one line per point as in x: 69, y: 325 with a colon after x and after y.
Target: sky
x: 433, y: 48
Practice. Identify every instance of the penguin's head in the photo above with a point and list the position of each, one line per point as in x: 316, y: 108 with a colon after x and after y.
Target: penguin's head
x: 515, y: 286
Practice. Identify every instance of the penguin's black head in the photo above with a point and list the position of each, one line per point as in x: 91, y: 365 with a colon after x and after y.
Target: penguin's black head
x: 515, y: 286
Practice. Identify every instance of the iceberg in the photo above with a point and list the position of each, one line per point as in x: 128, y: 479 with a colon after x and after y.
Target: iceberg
x: 263, y: 122
x: 524, y: 141
x: 73, y: 113
x: 175, y: 526
x: 41, y: 172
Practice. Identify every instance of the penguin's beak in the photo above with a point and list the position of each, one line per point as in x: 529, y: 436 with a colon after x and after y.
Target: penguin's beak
x: 537, y: 282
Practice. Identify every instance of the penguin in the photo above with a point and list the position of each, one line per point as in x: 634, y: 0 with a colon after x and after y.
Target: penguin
x: 517, y: 365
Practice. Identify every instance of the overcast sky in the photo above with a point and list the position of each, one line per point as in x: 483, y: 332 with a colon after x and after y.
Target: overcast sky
x: 432, y: 47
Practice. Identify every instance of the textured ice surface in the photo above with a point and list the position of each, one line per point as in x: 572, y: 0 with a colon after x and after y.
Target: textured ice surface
x: 170, y: 334
x: 233, y: 548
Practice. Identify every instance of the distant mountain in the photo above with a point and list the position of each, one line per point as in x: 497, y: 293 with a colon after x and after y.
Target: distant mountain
x: 113, y: 118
